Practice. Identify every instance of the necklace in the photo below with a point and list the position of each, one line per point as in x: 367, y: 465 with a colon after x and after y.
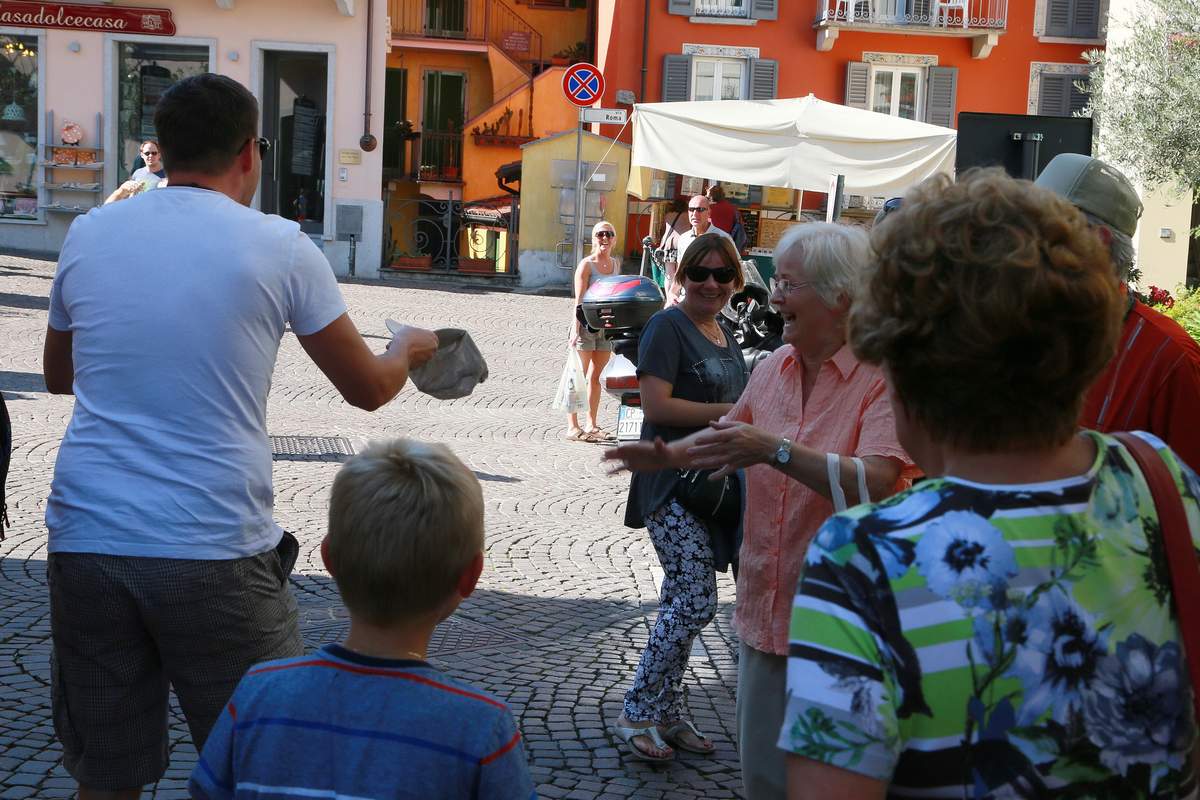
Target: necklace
x: 414, y: 654
x: 714, y: 335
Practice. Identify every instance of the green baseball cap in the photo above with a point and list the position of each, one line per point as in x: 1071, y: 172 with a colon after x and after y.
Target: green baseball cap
x: 1095, y: 187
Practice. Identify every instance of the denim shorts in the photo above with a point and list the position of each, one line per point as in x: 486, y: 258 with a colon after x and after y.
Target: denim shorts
x: 126, y: 628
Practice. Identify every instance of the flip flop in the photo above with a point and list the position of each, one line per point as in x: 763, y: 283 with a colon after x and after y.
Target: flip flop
x: 577, y: 436
x: 628, y: 733
x: 673, y: 734
x: 601, y: 435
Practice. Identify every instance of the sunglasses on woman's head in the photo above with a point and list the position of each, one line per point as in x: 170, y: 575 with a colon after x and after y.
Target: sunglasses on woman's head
x: 701, y: 274
x: 605, y: 234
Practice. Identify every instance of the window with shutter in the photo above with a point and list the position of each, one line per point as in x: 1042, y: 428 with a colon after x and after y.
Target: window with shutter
x: 677, y: 75
x: 1054, y: 92
x: 764, y: 79
x: 941, y: 94
x: 764, y: 9
x: 682, y: 7
x: 1076, y: 19
x: 718, y: 78
x: 858, y: 85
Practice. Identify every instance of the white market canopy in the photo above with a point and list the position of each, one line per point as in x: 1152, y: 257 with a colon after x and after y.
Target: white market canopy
x: 797, y: 143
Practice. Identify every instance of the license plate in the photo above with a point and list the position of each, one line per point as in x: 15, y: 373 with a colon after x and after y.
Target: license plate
x: 629, y: 424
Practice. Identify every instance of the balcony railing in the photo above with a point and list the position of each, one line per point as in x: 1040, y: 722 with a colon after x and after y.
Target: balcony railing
x: 465, y: 20
x: 935, y: 14
x: 722, y: 8
x: 441, y: 156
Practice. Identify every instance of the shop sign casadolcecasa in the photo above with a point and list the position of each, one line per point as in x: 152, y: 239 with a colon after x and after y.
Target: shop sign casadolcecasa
x: 106, y: 19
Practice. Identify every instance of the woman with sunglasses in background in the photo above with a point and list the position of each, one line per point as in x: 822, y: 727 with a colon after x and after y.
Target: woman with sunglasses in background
x: 813, y: 430
x: 594, y: 350
x: 691, y: 372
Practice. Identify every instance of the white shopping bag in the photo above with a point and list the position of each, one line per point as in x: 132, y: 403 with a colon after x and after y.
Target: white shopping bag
x: 571, y: 396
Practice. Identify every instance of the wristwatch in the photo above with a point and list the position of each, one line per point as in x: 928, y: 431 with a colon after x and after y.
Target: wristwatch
x: 783, y: 455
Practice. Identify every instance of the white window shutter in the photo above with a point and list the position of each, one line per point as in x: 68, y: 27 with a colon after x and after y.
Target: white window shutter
x: 858, y: 85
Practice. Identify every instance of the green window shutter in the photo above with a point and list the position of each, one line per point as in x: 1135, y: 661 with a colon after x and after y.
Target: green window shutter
x: 1059, y: 14
x: 764, y: 9
x: 682, y: 7
x: 677, y: 78
x: 1077, y: 99
x: 764, y: 79
x: 940, y: 95
x: 1054, y: 95
x: 858, y: 85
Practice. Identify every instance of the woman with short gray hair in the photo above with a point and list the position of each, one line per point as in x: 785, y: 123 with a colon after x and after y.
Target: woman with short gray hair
x: 815, y: 432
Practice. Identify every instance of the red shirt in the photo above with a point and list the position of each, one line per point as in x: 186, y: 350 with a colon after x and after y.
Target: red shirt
x: 1152, y: 384
x: 722, y: 215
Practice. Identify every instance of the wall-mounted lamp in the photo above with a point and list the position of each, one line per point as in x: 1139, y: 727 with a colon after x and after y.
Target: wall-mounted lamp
x: 233, y: 55
x: 1166, y: 234
x: 74, y: 47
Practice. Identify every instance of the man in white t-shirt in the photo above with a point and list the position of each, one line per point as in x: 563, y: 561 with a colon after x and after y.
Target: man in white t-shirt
x: 699, y: 209
x: 165, y: 565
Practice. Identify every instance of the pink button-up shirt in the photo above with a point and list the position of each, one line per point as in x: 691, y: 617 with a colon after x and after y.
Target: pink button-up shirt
x: 847, y: 413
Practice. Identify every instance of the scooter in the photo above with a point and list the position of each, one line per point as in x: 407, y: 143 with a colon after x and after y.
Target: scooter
x: 756, y: 325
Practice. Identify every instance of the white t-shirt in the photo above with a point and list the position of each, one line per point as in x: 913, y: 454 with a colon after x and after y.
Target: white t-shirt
x: 166, y: 454
x: 689, y: 236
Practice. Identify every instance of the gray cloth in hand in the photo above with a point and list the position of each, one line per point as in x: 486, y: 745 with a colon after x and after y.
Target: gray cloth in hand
x: 455, y: 369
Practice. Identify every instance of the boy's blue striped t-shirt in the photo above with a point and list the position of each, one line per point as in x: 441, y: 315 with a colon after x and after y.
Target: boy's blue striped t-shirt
x: 336, y: 724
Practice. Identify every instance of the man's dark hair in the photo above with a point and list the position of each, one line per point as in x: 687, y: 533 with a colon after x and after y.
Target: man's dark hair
x: 203, y: 122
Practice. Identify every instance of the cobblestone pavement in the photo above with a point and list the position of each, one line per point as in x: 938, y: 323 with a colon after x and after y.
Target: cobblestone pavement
x: 563, y: 608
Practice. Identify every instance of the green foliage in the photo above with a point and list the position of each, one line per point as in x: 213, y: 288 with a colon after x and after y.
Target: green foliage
x: 1144, y: 94
x: 1186, y: 311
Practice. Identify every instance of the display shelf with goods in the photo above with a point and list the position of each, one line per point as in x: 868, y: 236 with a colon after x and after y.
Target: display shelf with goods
x: 20, y: 175
x: 72, y: 158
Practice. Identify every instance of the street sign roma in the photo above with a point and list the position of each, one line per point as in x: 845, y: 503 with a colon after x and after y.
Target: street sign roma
x: 106, y: 19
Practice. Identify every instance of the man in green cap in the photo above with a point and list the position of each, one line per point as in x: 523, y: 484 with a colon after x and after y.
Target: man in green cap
x: 1153, y: 382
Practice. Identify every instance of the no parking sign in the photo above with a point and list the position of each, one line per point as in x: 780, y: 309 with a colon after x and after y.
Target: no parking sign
x: 583, y: 84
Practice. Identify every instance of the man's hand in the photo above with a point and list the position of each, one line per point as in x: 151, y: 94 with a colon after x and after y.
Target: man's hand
x: 639, y: 457
x: 731, y: 446
x: 417, y: 344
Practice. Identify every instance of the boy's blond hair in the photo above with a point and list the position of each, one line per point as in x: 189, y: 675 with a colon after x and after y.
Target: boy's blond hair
x: 405, y: 520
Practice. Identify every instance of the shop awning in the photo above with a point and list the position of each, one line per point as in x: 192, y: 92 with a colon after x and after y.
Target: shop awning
x: 797, y: 143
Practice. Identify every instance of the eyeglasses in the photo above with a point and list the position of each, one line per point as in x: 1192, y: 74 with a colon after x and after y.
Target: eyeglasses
x: 264, y: 145
x: 701, y: 274
x: 784, y: 286
x: 698, y: 209
x: 605, y: 235
x: 149, y: 152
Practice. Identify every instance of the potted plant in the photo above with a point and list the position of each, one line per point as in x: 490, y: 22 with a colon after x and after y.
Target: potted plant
x: 476, y: 265
x: 411, y: 261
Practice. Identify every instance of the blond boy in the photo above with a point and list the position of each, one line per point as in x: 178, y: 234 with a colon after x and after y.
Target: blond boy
x: 370, y: 717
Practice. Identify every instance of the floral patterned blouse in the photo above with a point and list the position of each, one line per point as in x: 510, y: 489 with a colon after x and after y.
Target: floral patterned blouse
x: 968, y: 640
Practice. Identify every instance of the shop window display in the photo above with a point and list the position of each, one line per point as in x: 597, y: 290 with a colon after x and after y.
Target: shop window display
x: 18, y: 127
x: 144, y: 72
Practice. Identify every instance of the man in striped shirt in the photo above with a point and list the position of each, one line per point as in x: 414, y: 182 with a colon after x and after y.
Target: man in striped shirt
x: 370, y: 717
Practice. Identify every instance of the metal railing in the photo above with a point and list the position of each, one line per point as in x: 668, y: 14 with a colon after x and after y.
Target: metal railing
x: 722, y: 8
x: 961, y: 14
x: 441, y: 156
x: 465, y: 20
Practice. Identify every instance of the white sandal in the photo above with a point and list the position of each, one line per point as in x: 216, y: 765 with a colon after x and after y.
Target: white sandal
x: 627, y: 733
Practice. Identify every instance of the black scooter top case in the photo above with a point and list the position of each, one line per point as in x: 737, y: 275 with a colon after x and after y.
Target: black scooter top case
x: 620, y: 303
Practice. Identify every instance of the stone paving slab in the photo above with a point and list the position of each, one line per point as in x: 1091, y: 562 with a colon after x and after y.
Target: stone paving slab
x: 564, y: 605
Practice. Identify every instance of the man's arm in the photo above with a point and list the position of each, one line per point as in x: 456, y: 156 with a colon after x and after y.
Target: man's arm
x: 364, y: 379
x: 58, y: 367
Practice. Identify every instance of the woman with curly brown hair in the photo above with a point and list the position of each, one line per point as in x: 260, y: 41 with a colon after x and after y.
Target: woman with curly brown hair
x: 1003, y: 629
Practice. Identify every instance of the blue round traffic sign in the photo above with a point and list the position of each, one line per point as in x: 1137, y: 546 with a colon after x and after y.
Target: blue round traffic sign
x: 583, y: 84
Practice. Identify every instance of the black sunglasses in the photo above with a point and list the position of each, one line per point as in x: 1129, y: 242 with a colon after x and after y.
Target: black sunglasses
x: 698, y: 208
x: 701, y: 274
x: 264, y: 145
x: 605, y: 235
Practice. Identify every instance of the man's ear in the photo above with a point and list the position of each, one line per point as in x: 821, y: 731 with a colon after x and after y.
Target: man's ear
x: 1105, y: 233
x: 245, y: 159
x: 325, y: 559
x: 470, y: 576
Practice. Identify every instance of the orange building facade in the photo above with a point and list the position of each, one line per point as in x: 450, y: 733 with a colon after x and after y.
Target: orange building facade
x: 469, y: 82
x: 920, y: 59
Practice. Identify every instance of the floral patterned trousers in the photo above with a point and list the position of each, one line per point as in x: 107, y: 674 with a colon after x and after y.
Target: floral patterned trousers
x: 687, y: 603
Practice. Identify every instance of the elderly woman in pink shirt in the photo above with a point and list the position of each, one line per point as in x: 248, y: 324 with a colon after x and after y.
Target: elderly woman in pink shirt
x: 812, y: 425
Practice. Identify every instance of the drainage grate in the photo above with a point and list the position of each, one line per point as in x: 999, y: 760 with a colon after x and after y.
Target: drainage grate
x: 310, y: 448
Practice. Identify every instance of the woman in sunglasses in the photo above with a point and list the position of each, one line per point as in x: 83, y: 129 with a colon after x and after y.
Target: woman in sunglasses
x: 691, y: 371
x: 813, y: 431
x: 594, y: 350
